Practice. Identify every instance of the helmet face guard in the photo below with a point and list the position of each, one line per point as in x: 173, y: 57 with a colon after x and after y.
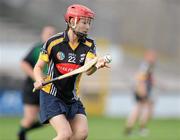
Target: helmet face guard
x: 77, y: 11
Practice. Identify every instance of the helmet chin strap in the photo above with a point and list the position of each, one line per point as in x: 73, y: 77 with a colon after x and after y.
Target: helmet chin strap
x: 79, y: 34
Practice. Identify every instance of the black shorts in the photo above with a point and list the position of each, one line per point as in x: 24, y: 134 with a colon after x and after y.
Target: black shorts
x: 140, y: 98
x: 28, y: 96
x: 51, y: 106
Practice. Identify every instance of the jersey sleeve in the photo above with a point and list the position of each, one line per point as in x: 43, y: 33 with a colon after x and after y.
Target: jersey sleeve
x: 29, y: 57
x: 44, y: 52
x: 92, y: 51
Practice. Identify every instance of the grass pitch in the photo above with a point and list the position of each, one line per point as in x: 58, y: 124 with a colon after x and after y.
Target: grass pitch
x: 100, y: 128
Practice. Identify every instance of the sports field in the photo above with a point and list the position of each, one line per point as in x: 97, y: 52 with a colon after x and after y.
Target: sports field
x: 100, y: 128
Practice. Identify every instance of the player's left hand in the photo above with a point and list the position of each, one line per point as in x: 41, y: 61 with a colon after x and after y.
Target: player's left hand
x: 102, y: 63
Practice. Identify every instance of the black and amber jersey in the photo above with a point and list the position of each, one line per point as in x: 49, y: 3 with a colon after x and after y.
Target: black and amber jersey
x: 145, y: 74
x: 63, y: 57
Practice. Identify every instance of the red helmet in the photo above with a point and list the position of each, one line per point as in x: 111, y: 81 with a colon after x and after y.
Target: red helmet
x: 77, y: 10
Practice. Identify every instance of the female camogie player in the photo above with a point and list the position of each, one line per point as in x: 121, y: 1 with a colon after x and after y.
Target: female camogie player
x: 144, y: 83
x: 59, y: 102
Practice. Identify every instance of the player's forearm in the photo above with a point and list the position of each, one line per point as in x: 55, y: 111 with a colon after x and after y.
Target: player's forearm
x: 91, y: 70
x: 38, y: 74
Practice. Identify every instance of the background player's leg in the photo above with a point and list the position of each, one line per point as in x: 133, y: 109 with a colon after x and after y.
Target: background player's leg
x: 151, y: 109
x: 144, y: 118
x: 29, y: 120
x: 30, y: 115
x: 144, y: 115
x: 79, y: 126
x: 62, y: 127
x: 133, y: 118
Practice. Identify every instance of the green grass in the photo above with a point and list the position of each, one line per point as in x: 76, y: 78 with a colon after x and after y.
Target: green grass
x: 100, y: 128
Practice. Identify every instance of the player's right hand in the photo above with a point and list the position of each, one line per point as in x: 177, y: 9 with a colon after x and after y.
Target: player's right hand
x: 38, y: 84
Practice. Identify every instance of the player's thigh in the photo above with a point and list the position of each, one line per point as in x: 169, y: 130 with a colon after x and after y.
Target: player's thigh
x: 31, y: 111
x: 79, y: 124
x: 61, y: 124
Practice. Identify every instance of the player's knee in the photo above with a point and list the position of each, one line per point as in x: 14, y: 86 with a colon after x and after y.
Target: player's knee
x: 62, y: 137
x: 66, y: 135
x: 81, y: 134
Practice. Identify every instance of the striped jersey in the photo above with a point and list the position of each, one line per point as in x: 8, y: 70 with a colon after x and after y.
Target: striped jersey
x: 63, y: 57
x: 145, y: 74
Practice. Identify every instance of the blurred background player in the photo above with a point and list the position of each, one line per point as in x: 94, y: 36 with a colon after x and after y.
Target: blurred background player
x: 143, y: 86
x: 31, y: 100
